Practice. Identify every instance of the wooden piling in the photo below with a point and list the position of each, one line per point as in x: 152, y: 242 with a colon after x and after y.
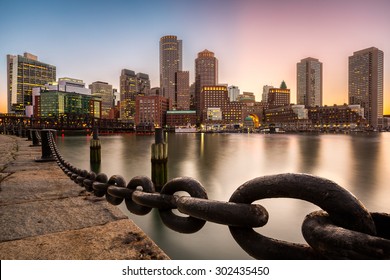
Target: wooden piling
x: 159, y: 158
x: 95, y: 148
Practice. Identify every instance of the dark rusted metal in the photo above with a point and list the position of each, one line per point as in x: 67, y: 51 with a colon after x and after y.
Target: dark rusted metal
x: 343, y: 207
x: 226, y: 213
x: 158, y: 135
x: 47, y: 154
x: 35, y: 137
x: 155, y: 200
x: 178, y: 223
x: 382, y: 224
x: 147, y: 186
x: 100, y: 185
x: 336, y: 242
x: 80, y: 179
x: 344, y: 210
x: 88, y: 182
x: 120, y: 192
x: 119, y: 182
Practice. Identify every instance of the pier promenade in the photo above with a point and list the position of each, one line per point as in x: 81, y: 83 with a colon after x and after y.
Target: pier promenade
x: 44, y: 215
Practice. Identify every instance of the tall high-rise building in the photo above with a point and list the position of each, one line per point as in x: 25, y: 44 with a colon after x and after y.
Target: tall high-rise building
x: 103, y: 91
x: 309, y: 82
x: 183, y: 90
x: 131, y: 86
x: 170, y: 63
x: 365, y: 83
x: 128, y: 93
x: 143, y: 84
x: 23, y: 74
x: 206, y: 74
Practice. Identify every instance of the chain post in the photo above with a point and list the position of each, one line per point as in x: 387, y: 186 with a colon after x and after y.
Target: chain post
x: 46, y: 150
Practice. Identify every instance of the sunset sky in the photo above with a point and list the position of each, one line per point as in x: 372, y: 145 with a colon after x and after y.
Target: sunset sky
x: 257, y: 42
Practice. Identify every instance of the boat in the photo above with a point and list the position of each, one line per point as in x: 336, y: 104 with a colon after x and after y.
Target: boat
x: 185, y: 129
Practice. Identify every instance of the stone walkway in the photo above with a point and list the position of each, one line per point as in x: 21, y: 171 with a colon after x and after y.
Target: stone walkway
x: 45, y: 215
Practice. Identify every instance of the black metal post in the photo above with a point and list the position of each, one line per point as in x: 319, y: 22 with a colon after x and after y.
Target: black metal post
x: 35, y: 138
x: 46, y: 151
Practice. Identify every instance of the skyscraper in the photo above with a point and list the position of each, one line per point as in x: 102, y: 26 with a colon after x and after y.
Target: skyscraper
x: 206, y: 74
x: 128, y: 90
x: 170, y: 63
x: 104, y: 92
x: 365, y: 83
x: 183, y: 90
x: 131, y: 86
x: 23, y: 74
x: 309, y: 82
x: 143, y: 84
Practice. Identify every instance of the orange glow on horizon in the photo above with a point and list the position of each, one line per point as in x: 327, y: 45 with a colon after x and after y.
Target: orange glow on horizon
x: 3, y: 105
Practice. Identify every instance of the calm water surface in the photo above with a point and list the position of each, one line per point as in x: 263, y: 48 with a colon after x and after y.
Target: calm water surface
x: 222, y: 162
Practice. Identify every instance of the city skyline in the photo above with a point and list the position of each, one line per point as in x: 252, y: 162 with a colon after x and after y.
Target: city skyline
x: 257, y: 43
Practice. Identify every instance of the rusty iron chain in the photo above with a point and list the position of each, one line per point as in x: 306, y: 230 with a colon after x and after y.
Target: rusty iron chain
x: 343, y: 230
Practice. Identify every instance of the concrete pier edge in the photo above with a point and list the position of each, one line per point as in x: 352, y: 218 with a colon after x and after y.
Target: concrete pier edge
x: 44, y: 215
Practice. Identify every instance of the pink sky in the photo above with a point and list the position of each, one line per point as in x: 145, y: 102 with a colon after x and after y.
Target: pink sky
x: 256, y: 42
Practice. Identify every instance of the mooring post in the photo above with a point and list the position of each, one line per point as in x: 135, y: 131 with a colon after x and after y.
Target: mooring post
x: 46, y: 150
x: 159, y: 159
x: 95, y: 147
x: 29, y: 138
x: 35, y: 139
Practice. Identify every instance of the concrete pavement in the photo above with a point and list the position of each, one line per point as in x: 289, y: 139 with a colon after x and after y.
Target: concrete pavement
x: 45, y: 215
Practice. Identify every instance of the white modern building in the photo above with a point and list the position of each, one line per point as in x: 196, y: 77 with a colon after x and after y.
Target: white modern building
x: 233, y: 92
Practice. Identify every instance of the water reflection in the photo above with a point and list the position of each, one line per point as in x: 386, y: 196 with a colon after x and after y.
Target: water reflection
x: 309, y: 147
x: 222, y: 162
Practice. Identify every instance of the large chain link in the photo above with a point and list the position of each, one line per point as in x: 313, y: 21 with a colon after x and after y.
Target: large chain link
x: 343, y: 230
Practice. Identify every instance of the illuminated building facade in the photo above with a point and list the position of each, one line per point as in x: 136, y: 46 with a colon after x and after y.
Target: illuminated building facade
x: 215, y: 97
x: 23, y: 74
x: 128, y: 92
x: 180, y: 118
x: 286, y: 114
x: 170, y: 63
x: 309, y: 82
x: 337, y: 116
x: 264, y: 96
x: 365, y: 83
x: 131, y: 86
x: 53, y: 103
x: 183, y: 90
x: 279, y: 96
x: 206, y: 74
x: 103, y: 91
x: 151, y: 110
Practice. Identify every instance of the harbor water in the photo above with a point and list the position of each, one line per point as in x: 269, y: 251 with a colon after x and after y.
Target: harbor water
x: 223, y: 162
